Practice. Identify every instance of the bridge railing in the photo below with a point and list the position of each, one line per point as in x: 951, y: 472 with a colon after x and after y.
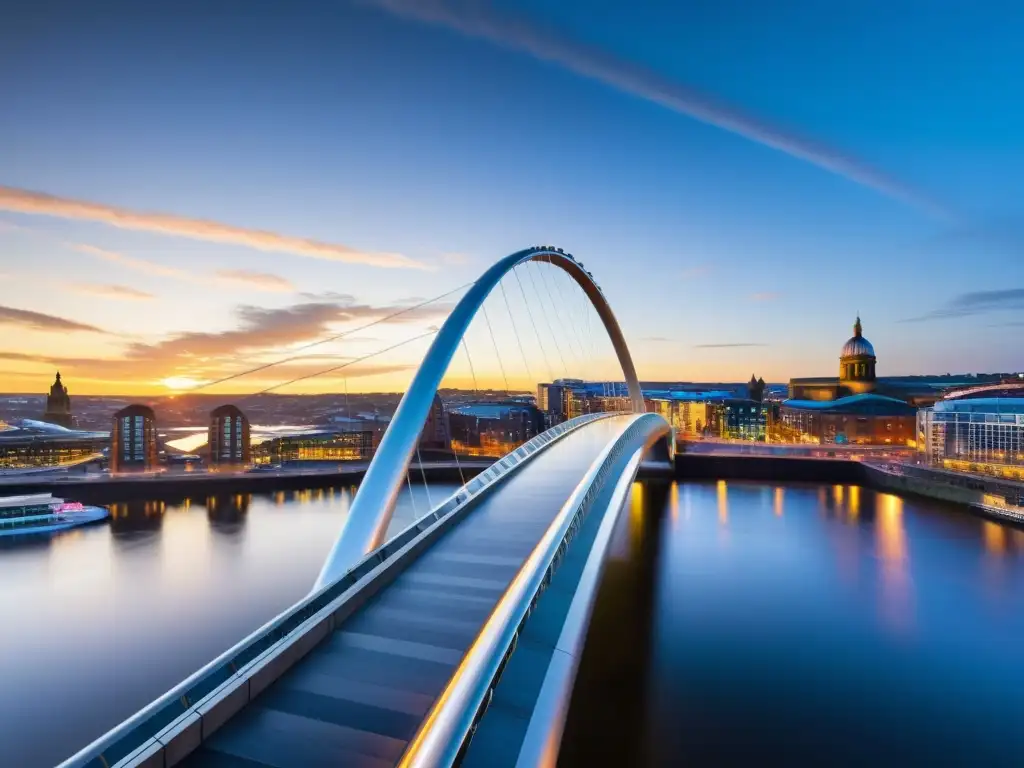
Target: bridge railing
x: 181, y: 707
x: 451, y: 723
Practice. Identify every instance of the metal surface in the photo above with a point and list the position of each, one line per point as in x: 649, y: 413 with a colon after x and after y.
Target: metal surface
x: 450, y: 722
x: 374, y: 503
x: 138, y: 733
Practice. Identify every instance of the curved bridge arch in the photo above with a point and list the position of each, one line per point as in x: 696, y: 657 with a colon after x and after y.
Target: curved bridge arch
x: 374, y: 503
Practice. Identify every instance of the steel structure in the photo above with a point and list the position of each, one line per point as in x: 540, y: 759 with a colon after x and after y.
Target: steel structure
x: 374, y: 504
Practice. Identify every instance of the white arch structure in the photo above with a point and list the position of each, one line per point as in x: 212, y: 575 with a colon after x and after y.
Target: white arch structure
x: 374, y: 503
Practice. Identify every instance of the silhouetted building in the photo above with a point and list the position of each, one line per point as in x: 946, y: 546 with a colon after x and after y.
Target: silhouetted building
x: 437, y: 433
x: 755, y: 389
x: 133, y: 440
x: 228, y: 438
x: 58, y: 405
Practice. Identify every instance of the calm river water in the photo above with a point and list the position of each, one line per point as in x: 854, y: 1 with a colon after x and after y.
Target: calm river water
x: 792, y: 624
x: 803, y: 625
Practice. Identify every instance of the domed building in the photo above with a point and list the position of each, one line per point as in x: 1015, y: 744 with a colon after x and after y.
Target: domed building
x: 58, y: 405
x: 857, y: 363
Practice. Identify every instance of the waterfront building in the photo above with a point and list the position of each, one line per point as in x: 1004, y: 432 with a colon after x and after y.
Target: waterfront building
x: 864, y: 419
x: 437, y: 433
x: 494, y: 429
x: 228, y: 438
x: 739, y: 419
x: 58, y: 405
x: 37, y: 444
x: 321, y: 445
x: 981, y: 435
x: 133, y: 440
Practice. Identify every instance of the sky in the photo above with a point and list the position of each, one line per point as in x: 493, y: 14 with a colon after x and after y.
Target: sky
x: 192, y: 190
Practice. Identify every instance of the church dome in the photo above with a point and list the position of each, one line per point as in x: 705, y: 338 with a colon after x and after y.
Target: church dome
x: 857, y: 345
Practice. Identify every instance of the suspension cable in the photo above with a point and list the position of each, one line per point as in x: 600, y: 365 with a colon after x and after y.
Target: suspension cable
x: 557, y: 312
x: 533, y: 322
x: 339, y: 367
x: 497, y: 352
x: 336, y: 337
x: 547, y: 320
x: 519, y: 341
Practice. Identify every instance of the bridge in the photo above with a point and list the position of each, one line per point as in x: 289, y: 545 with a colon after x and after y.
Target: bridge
x: 457, y: 640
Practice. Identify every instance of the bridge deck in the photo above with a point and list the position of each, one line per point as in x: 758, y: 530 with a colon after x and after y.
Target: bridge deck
x: 360, y: 696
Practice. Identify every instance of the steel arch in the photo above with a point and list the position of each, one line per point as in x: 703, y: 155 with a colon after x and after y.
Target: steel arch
x: 374, y: 503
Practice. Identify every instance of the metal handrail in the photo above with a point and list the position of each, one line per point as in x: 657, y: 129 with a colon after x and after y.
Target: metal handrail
x: 136, y: 731
x: 451, y: 722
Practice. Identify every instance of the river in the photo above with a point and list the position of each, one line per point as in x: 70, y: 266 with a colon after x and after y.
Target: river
x: 743, y: 623
x: 797, y: 624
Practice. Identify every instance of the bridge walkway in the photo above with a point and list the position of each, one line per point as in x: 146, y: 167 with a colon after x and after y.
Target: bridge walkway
x: 360, y: 696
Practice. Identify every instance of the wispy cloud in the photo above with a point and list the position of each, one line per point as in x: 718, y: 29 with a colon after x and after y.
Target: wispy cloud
x: 658, y: 339
x: 765, y: 296
x: 39, y: 321
x: 730, y: 345
x: 110, y: 291
x: 480, y: 19
x: 27, y: 201
x: 975, y: 303
x: 261, y: 281
x: 260, y: 334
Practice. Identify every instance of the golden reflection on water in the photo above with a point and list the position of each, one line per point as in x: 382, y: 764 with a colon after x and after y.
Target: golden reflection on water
x: 837, y: 495
x: 780, y: 500
x: 673, y: 504
x: 854, y: 505
x: 996, y: 541
x: 722, y: 491
x: 636, y: 516
x: 891, y: 534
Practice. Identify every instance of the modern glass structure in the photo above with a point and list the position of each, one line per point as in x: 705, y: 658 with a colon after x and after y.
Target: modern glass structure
x: 983, y: 435
x: 316, y: 446
x: 228, y: 438
x: 35, y: 444
x: 494, y: 429
x: 133, y: 440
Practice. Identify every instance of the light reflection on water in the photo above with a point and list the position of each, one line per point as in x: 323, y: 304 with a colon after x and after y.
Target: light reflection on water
x: 99, y: 621
x: 832, y: 626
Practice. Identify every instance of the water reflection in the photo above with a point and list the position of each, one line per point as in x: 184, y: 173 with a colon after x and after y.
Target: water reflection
x: 130, y: 607
x: 830, y: 614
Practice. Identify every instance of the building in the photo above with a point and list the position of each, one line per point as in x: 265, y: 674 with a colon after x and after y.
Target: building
x: 856, y: 372
x: 739, y: 419
x: 864, y: 419
x: 133, y: 440
x: 58, y: 405
x: 37, y: 444
x: 437, y: 433
x: 320, y: 445
x: 983, y: 435
x: 228, y: 439
x: 494, y: 429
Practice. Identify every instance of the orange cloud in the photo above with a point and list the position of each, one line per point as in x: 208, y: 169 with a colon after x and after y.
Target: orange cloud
x: 40, y: 203
x: 117, y: 292
x: 40, y: 321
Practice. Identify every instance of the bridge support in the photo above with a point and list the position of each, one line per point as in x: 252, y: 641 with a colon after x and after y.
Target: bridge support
x: 374, y: 504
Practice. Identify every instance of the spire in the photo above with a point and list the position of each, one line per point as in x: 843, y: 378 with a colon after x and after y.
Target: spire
x: 857, y: 330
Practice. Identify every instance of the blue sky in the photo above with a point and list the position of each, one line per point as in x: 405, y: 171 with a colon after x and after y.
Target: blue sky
x: 358, y: 123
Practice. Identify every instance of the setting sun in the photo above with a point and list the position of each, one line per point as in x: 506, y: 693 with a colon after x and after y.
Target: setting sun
x: 178, y: 383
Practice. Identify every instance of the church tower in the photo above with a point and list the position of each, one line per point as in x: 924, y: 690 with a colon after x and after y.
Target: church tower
x: 58, y: 405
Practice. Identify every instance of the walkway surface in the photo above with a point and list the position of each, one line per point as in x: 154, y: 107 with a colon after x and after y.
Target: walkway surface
x: 360, y: 696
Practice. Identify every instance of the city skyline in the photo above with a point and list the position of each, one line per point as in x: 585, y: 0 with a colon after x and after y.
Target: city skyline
x: 187, y: 194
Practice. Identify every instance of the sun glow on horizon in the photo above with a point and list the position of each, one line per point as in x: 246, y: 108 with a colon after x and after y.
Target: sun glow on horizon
x: 179, y: 383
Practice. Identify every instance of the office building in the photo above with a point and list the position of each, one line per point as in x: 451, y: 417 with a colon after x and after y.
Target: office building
x: 228, y: 439
x: 133, y: 440
x: 37, y: 444
x: 983, y: 435
x: 865, y: 419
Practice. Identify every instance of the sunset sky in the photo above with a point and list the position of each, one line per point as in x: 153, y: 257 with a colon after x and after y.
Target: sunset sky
x: 190, y: 190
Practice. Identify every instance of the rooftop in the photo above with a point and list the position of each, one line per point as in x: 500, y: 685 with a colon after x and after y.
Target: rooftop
x: 866, y: 401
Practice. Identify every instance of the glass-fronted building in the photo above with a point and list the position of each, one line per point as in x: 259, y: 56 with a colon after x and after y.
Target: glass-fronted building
x: 228, y: 438
x: 133, y: 440
x: 35, y: 445
x: 984, y: 435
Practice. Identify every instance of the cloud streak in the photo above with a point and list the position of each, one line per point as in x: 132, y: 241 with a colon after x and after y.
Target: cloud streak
x: 479, y: 19
x: 116, y: 292
x: 38, y: 321
x: 261, y: 281
x: 730, y: 345
x: 40, y: 203
x: 975, y: 303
